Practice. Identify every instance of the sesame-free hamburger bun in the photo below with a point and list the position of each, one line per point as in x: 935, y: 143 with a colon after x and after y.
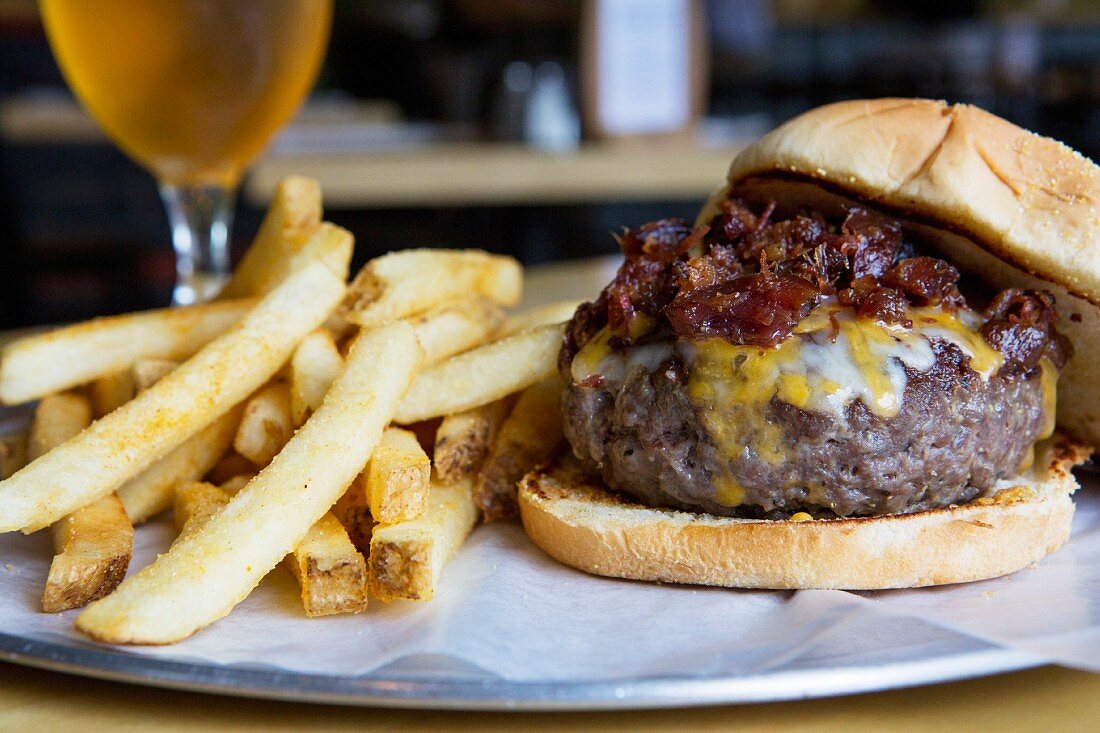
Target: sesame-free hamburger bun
x: 1007, y: 208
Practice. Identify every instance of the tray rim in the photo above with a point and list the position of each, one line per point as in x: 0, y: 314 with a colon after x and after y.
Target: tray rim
x: 503, y: 695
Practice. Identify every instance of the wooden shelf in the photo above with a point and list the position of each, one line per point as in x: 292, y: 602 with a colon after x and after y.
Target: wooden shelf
x: 487, y: 174
x: 435, y: 173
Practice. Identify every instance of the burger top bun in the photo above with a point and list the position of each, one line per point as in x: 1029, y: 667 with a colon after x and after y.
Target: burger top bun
x: 1017, y: 209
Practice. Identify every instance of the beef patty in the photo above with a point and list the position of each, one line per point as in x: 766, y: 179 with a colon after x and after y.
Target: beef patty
x: 955, y: 435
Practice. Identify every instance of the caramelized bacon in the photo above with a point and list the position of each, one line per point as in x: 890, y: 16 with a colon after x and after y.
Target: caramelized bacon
x: 1020, y: 324
x: 719, y: 265
x: 658, y: 241
x: 875, y: 302
x: 925, y: 281
x: 873, y: 241
x: 824, y: 266
x: 750, y: 278
x: 760, y: 309
x: 731, y: 224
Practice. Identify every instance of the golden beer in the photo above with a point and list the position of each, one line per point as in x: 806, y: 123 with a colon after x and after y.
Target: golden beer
x: 192, y: 89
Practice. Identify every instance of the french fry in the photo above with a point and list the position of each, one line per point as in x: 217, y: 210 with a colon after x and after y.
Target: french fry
x: 407, y: 559
x: 338, y: 327
x: 202, y: 577
x: 328, y: 244
x: 331, y: 572
x: 395, y: 482
x: 331, y: 246
x: 57, y: 418
x: 455, y: 327
x: 229, y: 465
x: 238, y: 482
x: 313, y: 368
x: 353, y: 511
x: 528, y: 437
x: 147, y: 372
x: 543, y: 315
x: 111, y: 392
x: 463, y: 440
x: 448, y: 329
x: 150, y: 492
x: 401, y: 284
x: 483, y: 375
x: 265, y: 425
x: 194, y: 504
x: 164, y: 416
x: 13, y: 453
x: 93, y: 546
x: 38, y: 365
x: 292, y: 216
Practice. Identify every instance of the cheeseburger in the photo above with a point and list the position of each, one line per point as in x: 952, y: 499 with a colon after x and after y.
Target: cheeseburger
x: 870, y: 363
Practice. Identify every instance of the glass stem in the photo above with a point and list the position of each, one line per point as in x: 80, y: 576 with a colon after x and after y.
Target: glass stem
x: 200, y: 217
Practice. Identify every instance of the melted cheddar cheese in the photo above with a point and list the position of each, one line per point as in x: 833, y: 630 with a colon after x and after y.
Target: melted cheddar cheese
x: 832, y: 359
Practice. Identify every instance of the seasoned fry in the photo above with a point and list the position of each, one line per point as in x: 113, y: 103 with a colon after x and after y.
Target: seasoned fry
x: 38, y: 365
x: 147, y: 372
x: 13, y: 453
x: 194, y: 503
x: 57, y: 418
x: 330, y: 571
x: 395, y: 482
x: 544, y: 315
x: 338, y: 327
x: 313, y: 368
x: 229, y: 465
x: 265, y: 425
x: 328, y: 244
x: 202, y: 577
x: 163, y: 417
x: 485, y: 374
x: 111, y: 392
x: 238, y: 482
x: 455, y: 327
x: 292, y: 216
x: 404, y: 283
x: 93, y: 546
x: 407, y: 559
x: 463, y: 440
x: 150, y: 492
x: 353, y: 511
x: 528, y: 437
x: 331, y: 246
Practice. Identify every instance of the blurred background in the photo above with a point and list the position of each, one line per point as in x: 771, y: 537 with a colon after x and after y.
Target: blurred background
x: 534, y: 128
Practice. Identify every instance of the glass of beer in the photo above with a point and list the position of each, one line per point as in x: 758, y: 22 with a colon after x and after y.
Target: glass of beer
x: 193, y: 90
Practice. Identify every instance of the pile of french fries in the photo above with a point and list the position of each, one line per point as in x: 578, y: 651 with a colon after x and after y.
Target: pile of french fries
x: 354, y: 433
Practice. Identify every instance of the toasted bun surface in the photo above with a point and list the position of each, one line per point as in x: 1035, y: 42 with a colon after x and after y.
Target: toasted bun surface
x: 1010, y: 207
x: 1016, y: 209
x: 580, y: 523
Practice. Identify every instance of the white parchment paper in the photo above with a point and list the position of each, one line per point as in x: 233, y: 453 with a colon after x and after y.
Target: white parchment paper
x: 506, y: 610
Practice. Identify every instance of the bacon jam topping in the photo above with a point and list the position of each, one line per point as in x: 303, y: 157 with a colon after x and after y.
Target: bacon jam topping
x: 750, y: 279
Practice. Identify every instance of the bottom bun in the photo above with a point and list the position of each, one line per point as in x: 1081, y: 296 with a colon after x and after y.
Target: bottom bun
x: 576, y: 520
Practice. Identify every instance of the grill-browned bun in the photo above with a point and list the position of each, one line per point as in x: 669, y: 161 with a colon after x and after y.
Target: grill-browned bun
x: 580, y: 523
x: 1005, y: 206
